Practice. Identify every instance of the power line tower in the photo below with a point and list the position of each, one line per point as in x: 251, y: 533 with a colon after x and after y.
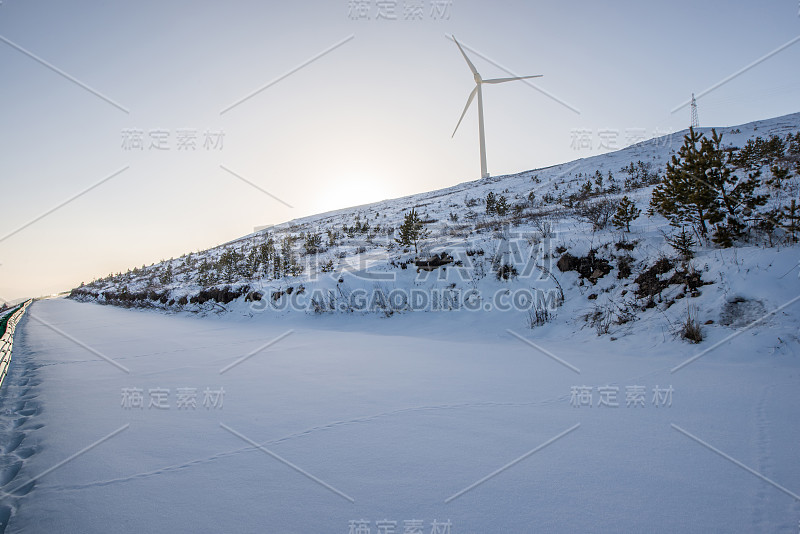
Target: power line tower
x: 695, y: 121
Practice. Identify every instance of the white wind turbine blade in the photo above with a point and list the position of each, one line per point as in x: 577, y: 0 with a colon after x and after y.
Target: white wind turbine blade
x: 501, y: 80
x: 471, y: 66
x: 469, y: 101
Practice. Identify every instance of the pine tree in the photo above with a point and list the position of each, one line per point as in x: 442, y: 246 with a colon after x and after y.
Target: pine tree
x: 792, y: 214
x: 779, y: 174
x: 683, y: 196
x: 313, y: 243
x: 265, y: 251
x: 737, y: 197
x: 626, y: 213
x: 490, y: 203
x: 793, y: 149
x: 683, y: 243
x: 166, y: 275
x: 411, y: 231
x: 732, y: 191
x: 598, y: 180
x: 333, y: 235
x: 586, y: 189
x: 700, y: 189
x: 206, y: 273
x: 252, y: 262
x: 501, y: 206
x: 228, y: 264
x: 289, y: 262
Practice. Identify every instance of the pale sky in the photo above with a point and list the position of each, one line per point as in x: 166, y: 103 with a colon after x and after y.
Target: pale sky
x: 369, y: 118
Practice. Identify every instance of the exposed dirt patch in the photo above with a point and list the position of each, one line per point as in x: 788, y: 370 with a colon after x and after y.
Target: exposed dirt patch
x: 740, y: 311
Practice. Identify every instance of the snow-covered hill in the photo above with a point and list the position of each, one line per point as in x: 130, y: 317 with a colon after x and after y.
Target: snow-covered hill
x: 349, y: 260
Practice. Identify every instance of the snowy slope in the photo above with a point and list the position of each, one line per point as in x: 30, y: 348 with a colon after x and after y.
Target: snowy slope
x: 361, y: 254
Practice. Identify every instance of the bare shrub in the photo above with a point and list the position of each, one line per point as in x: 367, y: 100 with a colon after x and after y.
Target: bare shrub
x: 597, y: 213
x: 690, y: 329
x: 539, y: 316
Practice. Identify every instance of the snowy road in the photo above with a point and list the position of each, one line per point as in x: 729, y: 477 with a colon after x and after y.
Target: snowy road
x: 387, y: 420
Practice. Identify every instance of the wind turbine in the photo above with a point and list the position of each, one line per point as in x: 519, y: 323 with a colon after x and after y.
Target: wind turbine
x: 478, y: 82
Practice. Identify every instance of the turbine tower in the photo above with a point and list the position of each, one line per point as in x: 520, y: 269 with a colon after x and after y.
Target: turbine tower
x: 478, y: 82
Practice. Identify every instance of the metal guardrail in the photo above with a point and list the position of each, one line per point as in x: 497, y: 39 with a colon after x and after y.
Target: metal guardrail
x: 7, y: 340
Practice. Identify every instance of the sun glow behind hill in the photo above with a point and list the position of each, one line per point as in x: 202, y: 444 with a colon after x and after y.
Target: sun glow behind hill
x: 351, y: 189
